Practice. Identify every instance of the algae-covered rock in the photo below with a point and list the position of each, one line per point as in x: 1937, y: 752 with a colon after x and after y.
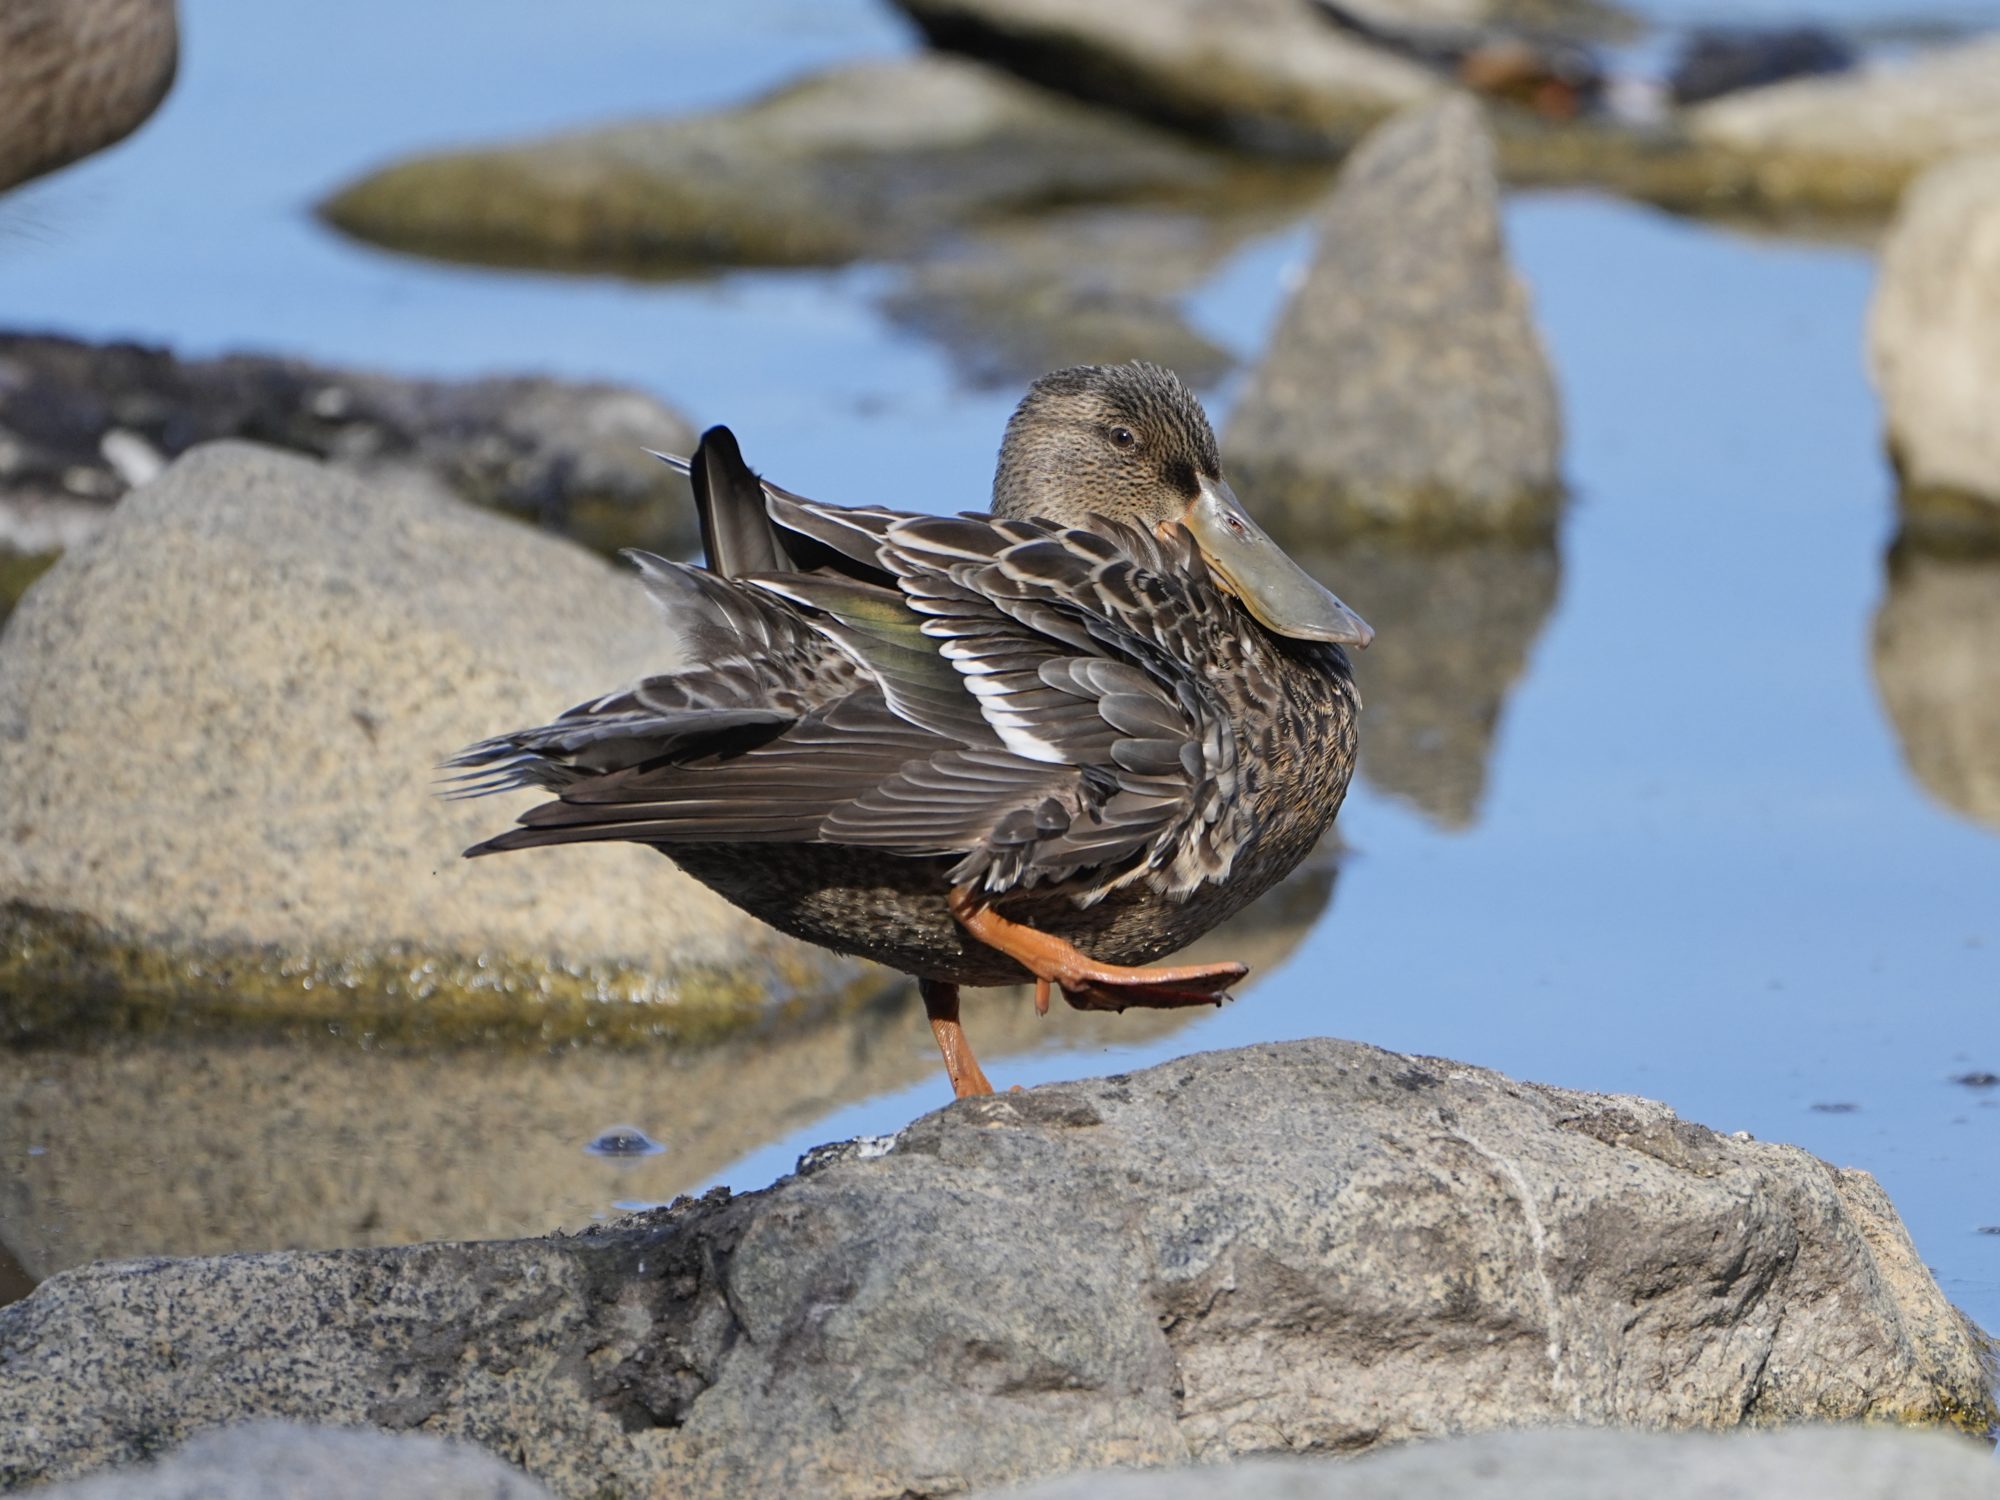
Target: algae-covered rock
x: 1934, y: 345
x: 1863, y: 132
x: 81, y: 423
x: 1313, y: 1246
x: 867, y: 160
x: 218, y: 726
x: 1937, y: 667
x: 1263, y: 75
x: 1405, y: 386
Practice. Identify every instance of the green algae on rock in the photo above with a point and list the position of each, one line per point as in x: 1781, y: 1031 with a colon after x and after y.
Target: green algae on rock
x: 866, y: 160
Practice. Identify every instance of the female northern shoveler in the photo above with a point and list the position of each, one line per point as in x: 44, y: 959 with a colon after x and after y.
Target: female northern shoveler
x: 1048, y: 743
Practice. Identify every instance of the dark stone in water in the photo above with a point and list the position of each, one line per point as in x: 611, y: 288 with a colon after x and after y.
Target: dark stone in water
x: 1723, y: 59
x: 1836, y: 1109
x: 624, y: 1140
x: 1979, y: 1080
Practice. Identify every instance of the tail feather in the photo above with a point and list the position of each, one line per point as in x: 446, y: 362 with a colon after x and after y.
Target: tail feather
x: 737, y: 536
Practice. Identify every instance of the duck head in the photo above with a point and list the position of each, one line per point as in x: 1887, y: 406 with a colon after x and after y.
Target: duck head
x: 1131, y: 442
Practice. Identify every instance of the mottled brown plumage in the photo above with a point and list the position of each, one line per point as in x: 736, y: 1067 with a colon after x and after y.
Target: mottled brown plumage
x: 961, y: 745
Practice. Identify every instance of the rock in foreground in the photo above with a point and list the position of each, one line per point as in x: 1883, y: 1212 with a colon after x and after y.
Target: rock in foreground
x: 1405, y: 387
x: 219, y: 722
x: 1823, y: 1463
x: 80, y: 424
x: 868, y: 160
x: 1310, y: 1246
x: 1935, y: 345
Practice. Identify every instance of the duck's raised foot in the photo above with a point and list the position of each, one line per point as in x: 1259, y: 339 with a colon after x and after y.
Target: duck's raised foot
x: 1086, y: 983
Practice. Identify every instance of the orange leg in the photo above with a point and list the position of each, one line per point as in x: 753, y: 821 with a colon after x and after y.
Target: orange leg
x: 941, y: 1005
x: 1086, y: 983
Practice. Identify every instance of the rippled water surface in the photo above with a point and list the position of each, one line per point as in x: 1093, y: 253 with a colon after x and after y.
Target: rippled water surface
x: 1637, y: 814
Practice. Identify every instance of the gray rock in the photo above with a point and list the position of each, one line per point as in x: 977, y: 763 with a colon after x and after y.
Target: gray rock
x: 1262, y: 75
x: 1454, y: 628
x: 1886, y: 121
x: 1937, y: 667
x: 868, y: 160
x: 1405, y: 387
x: 1934, y: 343
x: 1315, y: 1246
x: 343, y: 1140
x: 290, y: 1461
x: 77, y: 75
x: 80, y: 424
x: 218, y: 727
x: 1814, y: 1463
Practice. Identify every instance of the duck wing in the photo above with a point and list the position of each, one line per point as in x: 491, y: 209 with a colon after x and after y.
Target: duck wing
x: 1035, y: 701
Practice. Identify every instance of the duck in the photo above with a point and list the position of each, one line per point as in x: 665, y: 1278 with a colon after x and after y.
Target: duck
x: 77, y: 76
x: 1051, y: 743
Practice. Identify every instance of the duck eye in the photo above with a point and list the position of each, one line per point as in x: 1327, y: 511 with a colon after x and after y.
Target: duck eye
x: 1123, y: 437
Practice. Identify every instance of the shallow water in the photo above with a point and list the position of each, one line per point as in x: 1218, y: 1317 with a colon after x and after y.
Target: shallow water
x: 1661, y: 835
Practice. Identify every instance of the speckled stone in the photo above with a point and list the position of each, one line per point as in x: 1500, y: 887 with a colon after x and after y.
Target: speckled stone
x: 1309, y: 1246
x: 219, y: 727
x: 1405, y: 387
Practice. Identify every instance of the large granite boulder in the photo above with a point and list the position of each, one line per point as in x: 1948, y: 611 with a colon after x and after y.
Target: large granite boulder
x: 1405, y: 387
x: 1264, y: 75
x: 219, y: 721
x: 1813, y: 1463
x: 1937, y: 667
x: 1934, y: 344
x: 1315, y: 1246
x: 1854, y: 139
x: 81, y: 423
x: 870, y: 160
x: 77, y: 75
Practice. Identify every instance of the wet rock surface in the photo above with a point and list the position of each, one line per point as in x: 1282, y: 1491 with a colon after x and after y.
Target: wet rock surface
x: 219, y: 722
x: 80, y: 424
x: 291, y: 1461
x: 1262, y: 75
x: 1934, y: 346
x: 1814, y: 1464
x: 1309, y: 1246
x: 868, y: 160
x: 1405, y: 387
x: 1937, y: 667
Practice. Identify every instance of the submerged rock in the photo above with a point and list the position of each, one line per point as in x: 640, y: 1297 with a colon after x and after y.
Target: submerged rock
x: 1934, y: 346
x: 1814, y: 1463
x: 218, y: 723
x: 1937, y: 667
x: 1310, y: 1246
x: 867, y: 160
x: 1262, y: 75
x: 78, y: 75
x: 1718, y: 60
x: 1405, y: 387
x: 290, y: 1461
x: 80, y: 424
x: 1856, y: 138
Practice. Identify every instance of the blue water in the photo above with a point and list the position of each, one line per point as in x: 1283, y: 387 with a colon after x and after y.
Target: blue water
x: 1700, y: 870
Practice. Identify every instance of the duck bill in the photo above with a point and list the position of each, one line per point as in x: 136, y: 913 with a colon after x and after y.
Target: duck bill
x: 1281, y: 595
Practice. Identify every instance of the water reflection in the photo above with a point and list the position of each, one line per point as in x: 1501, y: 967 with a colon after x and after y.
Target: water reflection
x: 116, y: 1148
x: 1937, y: 667
x: 1454, y: 629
